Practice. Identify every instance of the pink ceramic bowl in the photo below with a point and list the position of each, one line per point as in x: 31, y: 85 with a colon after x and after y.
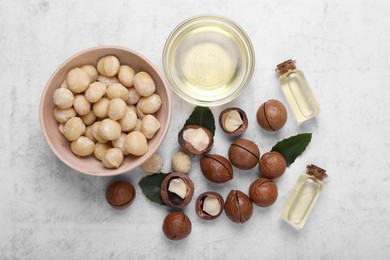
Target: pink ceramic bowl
x: 57, y: 142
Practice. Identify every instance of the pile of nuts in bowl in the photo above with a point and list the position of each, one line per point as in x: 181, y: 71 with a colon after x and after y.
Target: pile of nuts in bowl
x: 107, y: 111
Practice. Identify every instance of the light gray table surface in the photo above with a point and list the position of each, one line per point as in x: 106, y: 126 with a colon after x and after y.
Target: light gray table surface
x: 49, y: 211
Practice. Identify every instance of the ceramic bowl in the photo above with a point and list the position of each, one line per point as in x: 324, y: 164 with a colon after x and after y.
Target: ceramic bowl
x: 61, y: 146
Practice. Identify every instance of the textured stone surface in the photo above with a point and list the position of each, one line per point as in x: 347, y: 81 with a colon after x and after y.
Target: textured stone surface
x: 48, y: 211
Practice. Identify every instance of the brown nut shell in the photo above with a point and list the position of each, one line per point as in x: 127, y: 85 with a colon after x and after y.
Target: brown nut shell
x: 263, y: 192
x: 272, y: 165
x: 216, y: 168
x: 171, y: 199
x: 177, y: 226
x: 244, y: 154
x: 238, y: 207
x: 199, y: 205
x: 188, y: 147
x: 244, y: 118
x: 272, y: 115
x: 120, y: 194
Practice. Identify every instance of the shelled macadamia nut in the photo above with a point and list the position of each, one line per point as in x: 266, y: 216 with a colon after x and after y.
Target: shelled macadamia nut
x: 136, y: 143
x: 95, y: 132
x: 129, y: 121
x: 100, y: 108
x: 144, y: 84
x: 101, y: 149
x: 120, y: 143
x: 81, y: 105
x: 77, y: 80
x: 126, y: 75
x: 116, y: 108
x: 108, y: 66
x: 63, y: 115
x: 95, y: 92
x: 117, y: 90
x: 149, y: 126
x: 181, y: 162
x: 133, y: 96
x: 110, y: 129
x: 82, y: 146
x: 140, y: 114
x: 74, y: 128
x: 149, y: 105
x: 112, y: 158
x: 89, y: 118
x: 63, y: 98
x: 154, y: 164
x: 61, y: 128
x: 138, y: 125
x: 88, y: 134
x: 91, y: 71
x: 108, y: 81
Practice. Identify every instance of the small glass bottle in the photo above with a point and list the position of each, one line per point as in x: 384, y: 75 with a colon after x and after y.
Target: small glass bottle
x: 297, y: 91
x: 303, y: 197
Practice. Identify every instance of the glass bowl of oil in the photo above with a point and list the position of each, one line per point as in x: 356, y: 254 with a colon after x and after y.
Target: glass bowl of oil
x: 208, y: 60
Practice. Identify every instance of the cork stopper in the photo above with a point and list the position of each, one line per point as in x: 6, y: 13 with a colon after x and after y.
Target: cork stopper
x: 285, y: 66
x: 316, y: 172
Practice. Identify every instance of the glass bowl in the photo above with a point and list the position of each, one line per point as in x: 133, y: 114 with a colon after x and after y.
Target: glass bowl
x: 208, y: 60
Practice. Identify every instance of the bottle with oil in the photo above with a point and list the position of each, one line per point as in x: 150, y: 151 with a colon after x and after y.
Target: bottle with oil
x: 303, y: 197
x: 297, y: 91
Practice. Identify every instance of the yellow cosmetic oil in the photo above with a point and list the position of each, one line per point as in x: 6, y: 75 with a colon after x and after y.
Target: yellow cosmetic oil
x: 297, y: 91
x: 303, y: 197
x: 208, y: 60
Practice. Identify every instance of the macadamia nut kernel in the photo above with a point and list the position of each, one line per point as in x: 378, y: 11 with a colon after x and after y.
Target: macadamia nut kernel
x: 133, y: 97
x: 126, y: 75
x: 83, y: 146
x: 120, y: 143
x: 107, y: 80
x: 77, y: 80
x: 144, y: 84
x: 95, y: 92
x: 63, y: 115
x: 91, y: 71
x: 129, y: 121
x: 116, y: 108
x: 149, y: 105
x: 101, y: 149
x: 74, y: 128
x: 89, y: 118
x: 149, y: 126
x: 211, y: 206
x: 136, y: 143
x: 100, y: 108
x: 178, y: 186
x: 108, y: 66
x: 63, y: 98
x: 198, y: 138
x: 110, y: 129
x: 154, y: 164
x: 81, y: 105
x: 181, y: 162
x: 117, y: 90
x: 112, y: 158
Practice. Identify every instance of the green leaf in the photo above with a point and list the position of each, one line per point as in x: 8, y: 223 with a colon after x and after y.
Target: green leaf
x: 202, y: 116
x: 151, y: 187
x: 292, y: 147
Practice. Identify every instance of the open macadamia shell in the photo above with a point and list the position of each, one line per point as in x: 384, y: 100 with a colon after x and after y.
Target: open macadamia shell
x: 241, y: 129
x: 173, y: 200
x: 189, y: 148
x: 200, y: 202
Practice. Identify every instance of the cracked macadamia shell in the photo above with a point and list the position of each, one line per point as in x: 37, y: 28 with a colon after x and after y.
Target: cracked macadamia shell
x: 272, y: 115
x: 272, y: 165
x: 263, y: 192
x: 216, y: 168
x: 176, y: 226
x: 244, y: 154
x: 238, y: 207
